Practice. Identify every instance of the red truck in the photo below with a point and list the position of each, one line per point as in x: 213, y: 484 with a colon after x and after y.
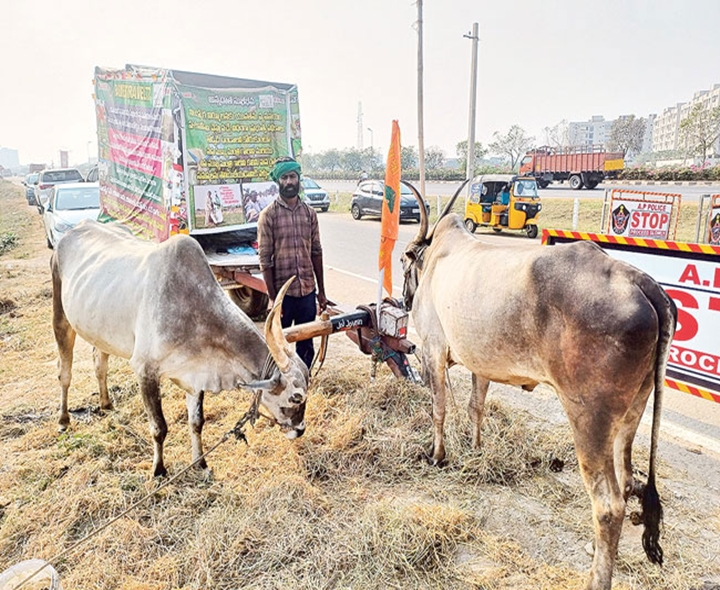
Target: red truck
x: 584, y: 166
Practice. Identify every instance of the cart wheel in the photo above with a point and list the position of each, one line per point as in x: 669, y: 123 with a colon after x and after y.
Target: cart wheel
x: 252, y: 302
x: 532, y: 231
x: 497, y: 230
x: 470, y: 225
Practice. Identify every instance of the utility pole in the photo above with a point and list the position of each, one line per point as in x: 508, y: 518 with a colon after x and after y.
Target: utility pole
x: 421, y: 127
x: 360, y: 127
x: 470, y: 171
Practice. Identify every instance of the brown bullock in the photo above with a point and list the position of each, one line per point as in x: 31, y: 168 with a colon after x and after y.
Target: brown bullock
x: 595, y: 329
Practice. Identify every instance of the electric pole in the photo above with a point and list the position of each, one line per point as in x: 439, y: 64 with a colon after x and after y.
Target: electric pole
x: 470, y: 171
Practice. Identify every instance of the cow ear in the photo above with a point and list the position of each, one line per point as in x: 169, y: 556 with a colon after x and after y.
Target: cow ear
x: 264, y: 384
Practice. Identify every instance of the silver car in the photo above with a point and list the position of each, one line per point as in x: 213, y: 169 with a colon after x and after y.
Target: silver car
x: 315, y: 196
x: 48, y: 179
x: 68, y: 205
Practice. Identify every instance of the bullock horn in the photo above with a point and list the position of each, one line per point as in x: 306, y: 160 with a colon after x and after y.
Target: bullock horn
x: 276, y: 341
x: 422, y: 232
x: 448, y: 207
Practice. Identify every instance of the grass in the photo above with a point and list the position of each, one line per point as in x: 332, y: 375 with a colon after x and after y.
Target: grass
x: 352, y: 504
x: 556, y: 214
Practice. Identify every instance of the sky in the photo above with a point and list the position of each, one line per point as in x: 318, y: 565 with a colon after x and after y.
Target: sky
x: 539, y: 62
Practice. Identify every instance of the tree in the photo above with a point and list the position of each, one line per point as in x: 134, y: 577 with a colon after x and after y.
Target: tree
x: 330, y: 160
x: 461, y: 149
x: 408, y: 157
x: 352, y: 160
x: 513, y: 145
x: 700, y: 130
x: 434, y: 158
x: 626, y: 135
x: 558, y: 135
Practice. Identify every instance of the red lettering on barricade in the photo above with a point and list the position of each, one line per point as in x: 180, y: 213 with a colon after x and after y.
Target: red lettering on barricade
x: 687, y: 324
x: 691, y: 275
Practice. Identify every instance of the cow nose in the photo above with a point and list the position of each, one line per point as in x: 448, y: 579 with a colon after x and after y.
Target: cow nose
x: 296, y: 432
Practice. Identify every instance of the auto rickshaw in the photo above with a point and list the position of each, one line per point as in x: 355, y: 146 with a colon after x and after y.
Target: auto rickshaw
x: 503, y: 201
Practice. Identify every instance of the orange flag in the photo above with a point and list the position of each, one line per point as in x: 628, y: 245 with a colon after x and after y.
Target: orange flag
x: 390, y: 210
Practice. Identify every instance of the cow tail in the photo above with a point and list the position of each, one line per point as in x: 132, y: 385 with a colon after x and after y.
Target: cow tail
x: 60, y: 322
x: 651, y: 506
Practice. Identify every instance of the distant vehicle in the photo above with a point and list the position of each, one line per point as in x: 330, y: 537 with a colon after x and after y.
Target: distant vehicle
x: 92, y: 175
x: 584, y: 166
x: 315, y: 196
x: 49, y: 178
x: 68, y: 205
x: 368, y: 197
x: 503, y: 201
x: 29, y: 183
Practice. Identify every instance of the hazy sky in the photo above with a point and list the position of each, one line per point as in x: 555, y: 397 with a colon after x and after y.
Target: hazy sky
x: 540, y: 61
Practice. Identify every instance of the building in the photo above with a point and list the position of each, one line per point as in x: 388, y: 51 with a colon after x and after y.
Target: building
x: 592, y: 132
x: 666, y: 129
x: 647, y: 144
x: 9, y: 158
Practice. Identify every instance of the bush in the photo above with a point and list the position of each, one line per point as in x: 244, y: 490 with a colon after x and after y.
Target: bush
x: 8, y: 241
x: 671, y: 173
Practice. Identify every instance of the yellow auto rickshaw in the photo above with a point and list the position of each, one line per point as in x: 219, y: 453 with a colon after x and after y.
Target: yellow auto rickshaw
x: 503, y: 201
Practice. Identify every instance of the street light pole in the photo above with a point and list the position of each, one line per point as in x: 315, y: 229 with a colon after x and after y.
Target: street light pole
x: 372, y: 143
x: 470, y: 170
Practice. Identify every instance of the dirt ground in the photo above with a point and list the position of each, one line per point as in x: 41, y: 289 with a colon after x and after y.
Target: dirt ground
x: 351, y: 505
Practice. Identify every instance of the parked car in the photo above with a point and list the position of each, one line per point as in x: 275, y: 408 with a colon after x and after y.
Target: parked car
x: 368, y: 196
x: 68, y: 205
x: 315, y: 196
x: 29, y: 183
x: 92, y: 175
x: 49, y: 178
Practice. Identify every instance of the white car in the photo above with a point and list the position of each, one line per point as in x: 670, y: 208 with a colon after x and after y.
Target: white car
x: 67, y: 206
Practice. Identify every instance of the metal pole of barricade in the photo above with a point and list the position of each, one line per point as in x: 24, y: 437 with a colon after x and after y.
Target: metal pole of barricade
x: 701, y: 216
x: 576, y: 213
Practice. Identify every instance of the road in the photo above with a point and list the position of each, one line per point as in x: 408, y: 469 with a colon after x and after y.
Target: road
x: 555, y: 190
x: 351, y: 253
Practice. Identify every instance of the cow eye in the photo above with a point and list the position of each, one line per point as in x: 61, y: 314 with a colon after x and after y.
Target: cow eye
x: 296, y: 398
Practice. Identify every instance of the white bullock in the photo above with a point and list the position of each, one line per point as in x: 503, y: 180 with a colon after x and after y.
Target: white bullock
x: 161, y: 307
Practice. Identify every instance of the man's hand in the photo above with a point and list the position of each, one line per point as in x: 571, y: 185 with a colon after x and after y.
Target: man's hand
x: 323, y: 302
x: 271, y: 303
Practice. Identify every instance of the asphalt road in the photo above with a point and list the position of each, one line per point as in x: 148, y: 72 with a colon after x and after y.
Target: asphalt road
x: 555, y: 190
x: 351, y: 260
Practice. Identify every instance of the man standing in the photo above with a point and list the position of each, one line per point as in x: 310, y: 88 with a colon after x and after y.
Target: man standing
x: 289, y: 245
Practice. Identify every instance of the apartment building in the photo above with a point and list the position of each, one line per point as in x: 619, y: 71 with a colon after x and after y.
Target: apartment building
x: 592, y: 132
x: 666, y: 129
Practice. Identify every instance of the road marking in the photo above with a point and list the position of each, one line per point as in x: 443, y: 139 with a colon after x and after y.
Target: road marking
x: 357, y: 276
x: 684, y: 434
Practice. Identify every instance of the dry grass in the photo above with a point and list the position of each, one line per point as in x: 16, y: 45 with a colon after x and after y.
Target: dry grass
x: 352, y: 504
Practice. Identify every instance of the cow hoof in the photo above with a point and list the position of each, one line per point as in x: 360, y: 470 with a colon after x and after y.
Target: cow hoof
x: 636, y: 518
x: 434, y: 459
x: 160, y: 471
x: 590, y: 548
x: 62, y: 428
